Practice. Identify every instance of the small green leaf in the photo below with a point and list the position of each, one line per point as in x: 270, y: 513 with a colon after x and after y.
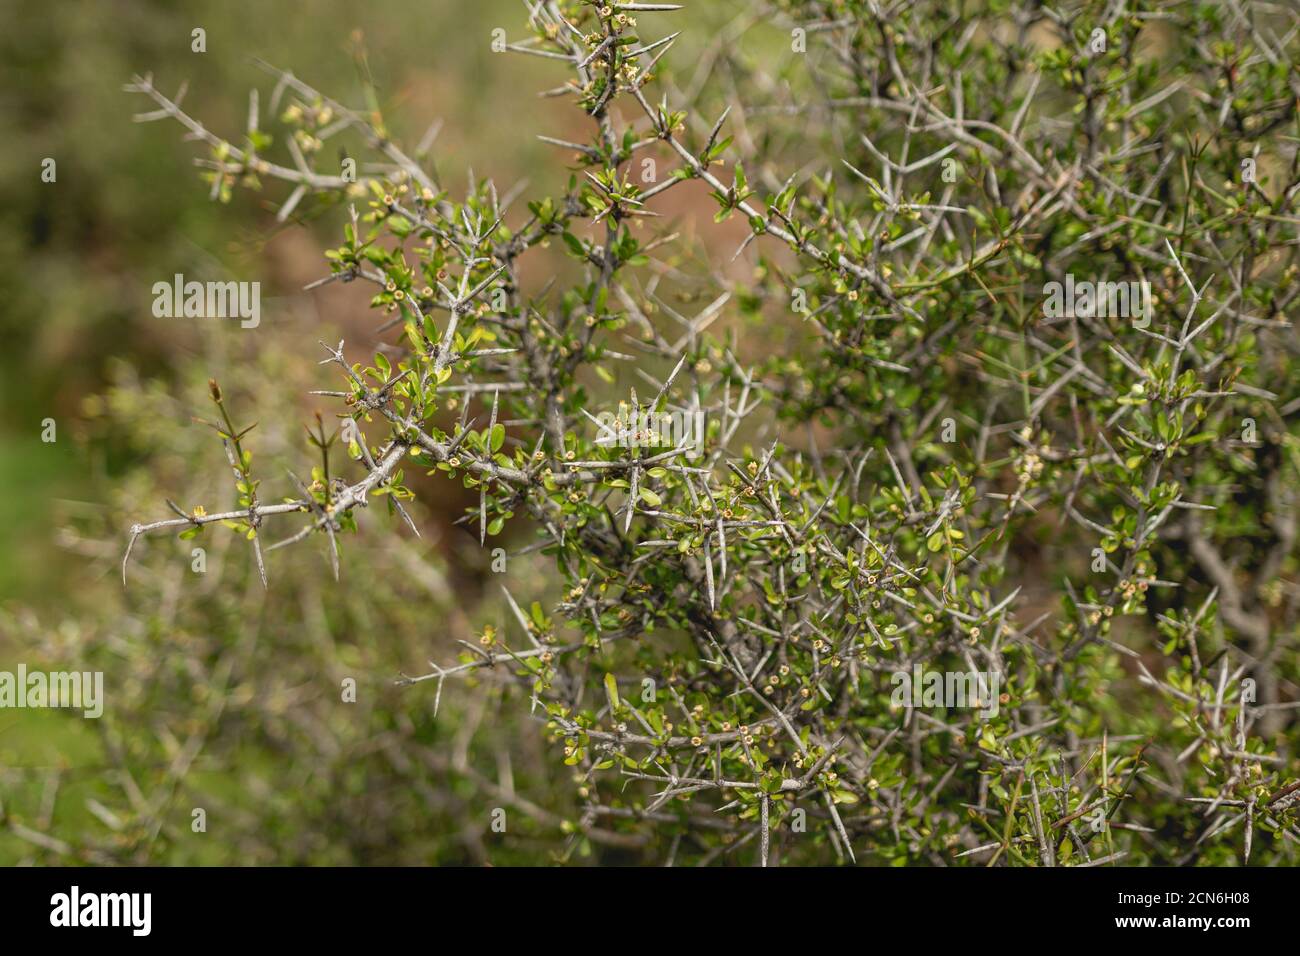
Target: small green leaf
x: 611, y: 692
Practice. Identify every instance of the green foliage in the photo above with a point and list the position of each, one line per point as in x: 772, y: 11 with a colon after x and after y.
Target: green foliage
x: 1095, y: 508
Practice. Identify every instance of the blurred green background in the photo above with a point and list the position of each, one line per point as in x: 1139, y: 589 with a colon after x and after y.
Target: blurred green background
x: 128, y: 208
x: 220, y: 698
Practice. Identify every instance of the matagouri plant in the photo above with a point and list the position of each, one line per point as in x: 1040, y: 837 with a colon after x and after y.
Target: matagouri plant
x: 969, y: 535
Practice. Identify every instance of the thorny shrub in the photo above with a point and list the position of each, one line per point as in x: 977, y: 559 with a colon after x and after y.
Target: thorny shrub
x: 924, y: 467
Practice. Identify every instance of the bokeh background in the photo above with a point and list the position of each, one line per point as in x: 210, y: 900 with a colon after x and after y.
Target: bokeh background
x: 222, y: 698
